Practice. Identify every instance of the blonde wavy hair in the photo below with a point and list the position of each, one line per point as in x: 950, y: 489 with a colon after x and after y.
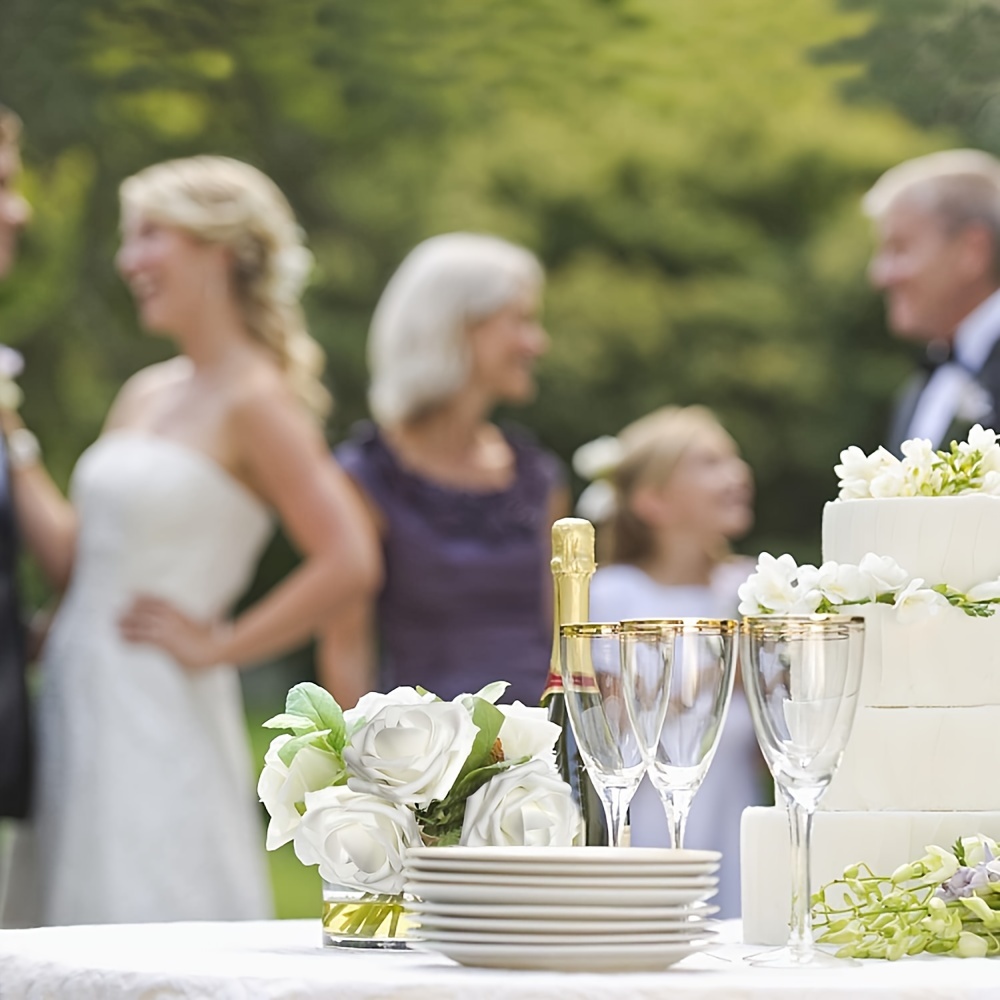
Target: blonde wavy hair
x: 223, y: 201
x: 651, y: 447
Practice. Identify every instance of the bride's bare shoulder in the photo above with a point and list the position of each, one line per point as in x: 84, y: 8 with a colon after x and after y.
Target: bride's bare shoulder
x: 143, y: 385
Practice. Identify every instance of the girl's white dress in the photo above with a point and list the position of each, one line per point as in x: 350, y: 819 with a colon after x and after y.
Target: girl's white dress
x: 736, y: 778
x: 145, y: 807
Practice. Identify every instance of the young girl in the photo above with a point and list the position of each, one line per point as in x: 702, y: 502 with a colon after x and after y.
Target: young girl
x: 671, y: 492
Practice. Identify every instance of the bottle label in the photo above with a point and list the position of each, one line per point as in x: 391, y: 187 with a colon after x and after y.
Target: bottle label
x: 581, y: 682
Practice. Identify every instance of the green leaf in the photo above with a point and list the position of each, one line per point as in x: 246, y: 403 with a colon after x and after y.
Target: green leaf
x: 488, y: 720
x: 287, y: 753
x: 287, y: 720
x: 474, y: 780
x: 317, y: 705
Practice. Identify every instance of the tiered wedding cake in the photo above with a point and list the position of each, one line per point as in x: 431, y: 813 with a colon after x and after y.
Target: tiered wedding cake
x: 917, y: 768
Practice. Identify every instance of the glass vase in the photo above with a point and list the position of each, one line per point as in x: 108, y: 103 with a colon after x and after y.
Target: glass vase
x: 354, y: 918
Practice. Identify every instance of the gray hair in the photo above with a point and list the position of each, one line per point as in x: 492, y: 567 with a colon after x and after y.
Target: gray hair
x: 960, y: 186
x: 418, y: 353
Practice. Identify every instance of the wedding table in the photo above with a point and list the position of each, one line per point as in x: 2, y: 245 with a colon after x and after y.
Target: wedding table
x: 279, y: 959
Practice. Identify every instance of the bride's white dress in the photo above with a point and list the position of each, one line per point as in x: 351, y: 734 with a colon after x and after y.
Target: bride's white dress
x: 145, y: 808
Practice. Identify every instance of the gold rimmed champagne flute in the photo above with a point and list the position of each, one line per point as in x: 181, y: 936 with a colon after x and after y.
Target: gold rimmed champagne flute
x: 802, y: 674
x: 590, y: 661
x: 680, y: 717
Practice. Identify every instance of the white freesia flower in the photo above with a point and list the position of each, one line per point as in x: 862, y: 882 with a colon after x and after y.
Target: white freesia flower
x: 410, y: 753
x: 857, y: 470
x: 921, y: 466
x: 991, y: 484
x: 892, y: 481
x: 526, y: 732
x: 915, y: 602
x: 372, y: 703
x: 984, y: 441
x: 989, y: 591
x: 356, y: 839
x: 844, y: 583
x: 524, y: 806
x: 598, y: 457
x: 772, y: 587
x: 886, y: 574
x: 974, y: 852
x: 281, y: 788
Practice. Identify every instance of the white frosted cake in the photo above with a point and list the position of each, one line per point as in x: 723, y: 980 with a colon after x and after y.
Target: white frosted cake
x: 916, y: 768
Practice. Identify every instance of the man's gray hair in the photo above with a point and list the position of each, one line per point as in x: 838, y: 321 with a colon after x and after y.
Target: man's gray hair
x: 960, y: 186
x: 418, y: 351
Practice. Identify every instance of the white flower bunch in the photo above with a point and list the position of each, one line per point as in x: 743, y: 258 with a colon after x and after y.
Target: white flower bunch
x: 970, y: 466
x: 780, y: 586
x: 353, y: 790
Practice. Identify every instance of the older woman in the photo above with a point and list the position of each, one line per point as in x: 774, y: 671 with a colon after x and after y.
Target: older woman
x: 463, y: 506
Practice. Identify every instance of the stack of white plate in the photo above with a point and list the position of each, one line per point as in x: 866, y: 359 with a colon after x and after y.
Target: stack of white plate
x: 574, y: 909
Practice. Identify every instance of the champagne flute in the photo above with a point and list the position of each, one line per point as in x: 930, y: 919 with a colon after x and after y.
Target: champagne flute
x: 680, y: 719
x: 593, y: 688
x: 802, y: 674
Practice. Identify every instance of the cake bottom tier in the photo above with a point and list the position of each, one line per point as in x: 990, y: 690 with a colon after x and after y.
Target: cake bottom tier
x: 882, y: 840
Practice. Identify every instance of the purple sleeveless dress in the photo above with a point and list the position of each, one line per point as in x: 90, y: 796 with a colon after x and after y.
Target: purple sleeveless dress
x: 466, y: 598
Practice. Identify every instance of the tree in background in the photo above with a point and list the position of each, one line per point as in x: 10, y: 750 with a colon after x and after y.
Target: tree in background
x: 689, y: 174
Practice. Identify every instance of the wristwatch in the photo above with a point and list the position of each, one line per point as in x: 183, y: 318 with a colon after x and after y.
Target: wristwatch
x: 22, y: 448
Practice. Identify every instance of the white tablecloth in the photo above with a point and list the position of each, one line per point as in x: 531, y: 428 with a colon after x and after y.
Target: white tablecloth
x: 284, y: 959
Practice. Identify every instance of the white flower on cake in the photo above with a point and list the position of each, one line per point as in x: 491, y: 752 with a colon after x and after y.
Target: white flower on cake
x: 970, y: 466
x: 282, y: 788
x: 410, y: 753
x: 356, y: 839
x: 526, y: 806
x: 780, y: 586
x: 915, y: 602
x: 354, y: 789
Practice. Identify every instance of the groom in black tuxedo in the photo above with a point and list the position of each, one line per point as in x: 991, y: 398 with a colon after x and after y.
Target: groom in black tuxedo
x: 937, y: 263
x: 15, y: 756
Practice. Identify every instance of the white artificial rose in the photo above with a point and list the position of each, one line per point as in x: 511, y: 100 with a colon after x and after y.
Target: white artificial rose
x: 844, y: 583
x: 526, y: 732
x: 527, y: 805
x: 772, y: 587
x: 886, y: 574
x: 989, y: 591
x: 915, y: 602
x: 282, y: 788
x: 356, y: 839
x: 410, y: 753
x: 370, y: 704
x: 491, y: 692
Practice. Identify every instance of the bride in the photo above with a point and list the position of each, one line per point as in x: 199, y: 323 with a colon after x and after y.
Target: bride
x: 145, y: 809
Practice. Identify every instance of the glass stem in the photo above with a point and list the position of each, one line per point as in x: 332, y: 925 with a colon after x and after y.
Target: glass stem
x: 677, y: 805
x: 615, y: 801
x: 800, y: 938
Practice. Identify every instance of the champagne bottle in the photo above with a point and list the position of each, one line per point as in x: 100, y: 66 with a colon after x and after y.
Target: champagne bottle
x: 572, y: 567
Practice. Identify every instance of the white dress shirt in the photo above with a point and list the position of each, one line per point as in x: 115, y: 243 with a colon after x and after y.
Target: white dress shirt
x: 952, y: 391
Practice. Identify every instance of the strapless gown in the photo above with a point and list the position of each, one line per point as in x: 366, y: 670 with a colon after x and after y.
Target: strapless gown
x: 145, y: 803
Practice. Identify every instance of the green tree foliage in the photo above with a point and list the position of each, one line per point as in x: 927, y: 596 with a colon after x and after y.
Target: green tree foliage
x: 688, y: 172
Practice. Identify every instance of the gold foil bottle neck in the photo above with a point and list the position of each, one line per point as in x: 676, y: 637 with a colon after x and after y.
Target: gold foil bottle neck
x: 572, y: 546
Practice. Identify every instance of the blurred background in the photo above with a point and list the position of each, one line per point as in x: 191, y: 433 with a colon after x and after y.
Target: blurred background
x: 689, y: 173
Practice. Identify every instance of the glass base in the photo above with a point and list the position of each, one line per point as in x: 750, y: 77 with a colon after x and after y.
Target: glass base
x: 798, y: 958
x: 356, y: 919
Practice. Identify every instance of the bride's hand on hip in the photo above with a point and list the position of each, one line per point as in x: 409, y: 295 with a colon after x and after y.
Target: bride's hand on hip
x: 151, y: 620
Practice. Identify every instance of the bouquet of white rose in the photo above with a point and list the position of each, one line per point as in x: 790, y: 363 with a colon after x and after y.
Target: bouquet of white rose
x: 353, y: 790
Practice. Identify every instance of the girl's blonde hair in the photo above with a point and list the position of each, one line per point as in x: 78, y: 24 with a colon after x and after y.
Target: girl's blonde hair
x: 651, y: 447
x: 224, y: 201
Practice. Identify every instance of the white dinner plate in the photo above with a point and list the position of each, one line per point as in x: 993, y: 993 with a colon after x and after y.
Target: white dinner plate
x: 598, y: 940
x: 551, y: 856
x: 563, y: 895
x: 567, y: 957
x: 506, y: 911
x: 554, y: 881
x: 532, y: 925
x: 430, y: 866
